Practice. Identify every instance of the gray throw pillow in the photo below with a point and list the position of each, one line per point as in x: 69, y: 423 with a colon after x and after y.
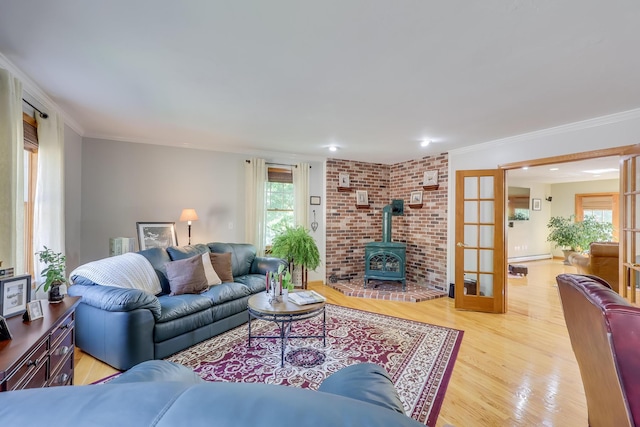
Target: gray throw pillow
x: 187, y: 276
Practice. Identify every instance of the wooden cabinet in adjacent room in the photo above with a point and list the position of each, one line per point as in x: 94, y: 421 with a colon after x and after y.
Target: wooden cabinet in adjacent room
x: 41, y: 351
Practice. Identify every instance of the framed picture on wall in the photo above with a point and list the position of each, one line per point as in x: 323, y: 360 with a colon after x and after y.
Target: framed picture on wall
x: 362, y: 198
x: 416, y: 198
x: 343, y: 180
x: 156, y: 235
x: 536, y: 204
x: 15, y: 294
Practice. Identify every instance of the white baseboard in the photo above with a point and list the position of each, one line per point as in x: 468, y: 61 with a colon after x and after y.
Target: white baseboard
x: 529, y: 258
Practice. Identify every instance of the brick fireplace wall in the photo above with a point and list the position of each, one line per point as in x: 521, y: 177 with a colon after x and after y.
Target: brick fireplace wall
x: 424, y: 230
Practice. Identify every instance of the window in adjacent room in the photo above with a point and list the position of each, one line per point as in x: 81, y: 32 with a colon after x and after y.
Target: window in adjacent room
x: 279, y: 200
x: 601, y: 206
x: 30, y: 128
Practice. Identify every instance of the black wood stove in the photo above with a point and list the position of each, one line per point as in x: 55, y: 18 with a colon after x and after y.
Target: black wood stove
x: 386, y: 260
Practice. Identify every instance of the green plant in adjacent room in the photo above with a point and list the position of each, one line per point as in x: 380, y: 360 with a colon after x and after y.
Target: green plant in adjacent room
x: 563, y: 232
x: 577, y: 235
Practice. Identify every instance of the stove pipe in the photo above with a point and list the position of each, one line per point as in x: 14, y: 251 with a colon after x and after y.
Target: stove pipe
x: 386, y: 224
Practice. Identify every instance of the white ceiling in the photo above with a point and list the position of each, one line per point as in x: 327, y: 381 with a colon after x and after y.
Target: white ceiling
x: 583, y: 170
x: 288, y: 77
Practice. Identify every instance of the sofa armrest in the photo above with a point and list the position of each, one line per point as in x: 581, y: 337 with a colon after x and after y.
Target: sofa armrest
x: 367, y: 382
x: 261, y: 265
x: 110, y: 298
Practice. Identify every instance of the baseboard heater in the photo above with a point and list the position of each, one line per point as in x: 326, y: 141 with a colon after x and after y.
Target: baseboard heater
x: 529, y: 258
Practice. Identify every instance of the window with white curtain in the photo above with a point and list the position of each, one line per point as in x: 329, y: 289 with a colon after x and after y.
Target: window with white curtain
x: 30, y: 128
x: 279, y: 202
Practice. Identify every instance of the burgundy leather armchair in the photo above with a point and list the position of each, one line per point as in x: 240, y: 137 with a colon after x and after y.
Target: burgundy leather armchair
x: 605, y: 336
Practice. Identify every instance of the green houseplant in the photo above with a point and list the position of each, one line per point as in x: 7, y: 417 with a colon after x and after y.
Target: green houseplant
x: 298, y: 247
x: 53, y: 273
x: 576, y: 236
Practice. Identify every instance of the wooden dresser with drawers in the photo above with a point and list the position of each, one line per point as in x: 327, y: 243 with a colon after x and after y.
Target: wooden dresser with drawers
x: 41, y: 351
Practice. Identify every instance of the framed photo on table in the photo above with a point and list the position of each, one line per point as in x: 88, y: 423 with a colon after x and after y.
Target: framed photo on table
x: 156, y: 235
x: 34, y: 310
x: 15, y: 294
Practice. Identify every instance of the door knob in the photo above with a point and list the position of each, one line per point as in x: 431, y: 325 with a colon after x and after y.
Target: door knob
x: 461, y: 244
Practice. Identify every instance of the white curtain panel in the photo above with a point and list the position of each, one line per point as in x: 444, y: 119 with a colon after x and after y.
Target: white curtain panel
x: 11, y: 173
x: 255, y: 179
x: 48, y: 215
x: 301, y: 194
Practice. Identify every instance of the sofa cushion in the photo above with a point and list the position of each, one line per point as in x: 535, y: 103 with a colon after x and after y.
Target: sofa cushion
x: 182, y: 325
x: 242, y: 256
x: 174, y: 307
x: 222, y: 265
x: 226, y: 292
x: 183, y: 252
x: 186, y: 276
x: 255, y: 282
x: 212, y: 277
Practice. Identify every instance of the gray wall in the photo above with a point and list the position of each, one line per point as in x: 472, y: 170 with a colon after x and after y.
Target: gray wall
x: 72, y: 196
x: 124, y: 183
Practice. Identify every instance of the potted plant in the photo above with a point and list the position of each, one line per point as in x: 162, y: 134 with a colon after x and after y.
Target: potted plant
x: 576, y: 236
x: 53, y: 273
x: 296, y: 245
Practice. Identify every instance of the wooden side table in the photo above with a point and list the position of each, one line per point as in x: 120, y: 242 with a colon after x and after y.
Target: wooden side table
x: 41, y: 351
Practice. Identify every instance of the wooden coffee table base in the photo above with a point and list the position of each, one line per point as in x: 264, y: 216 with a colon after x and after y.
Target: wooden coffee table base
x: 283, y: 315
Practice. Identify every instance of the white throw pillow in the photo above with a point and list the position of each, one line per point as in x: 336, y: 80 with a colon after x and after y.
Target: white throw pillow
x: 212, y: 276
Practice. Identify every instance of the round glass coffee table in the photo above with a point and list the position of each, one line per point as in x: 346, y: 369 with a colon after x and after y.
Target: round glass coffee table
x: 284, y: 314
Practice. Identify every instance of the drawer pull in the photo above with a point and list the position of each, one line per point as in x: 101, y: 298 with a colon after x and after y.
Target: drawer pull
x: 33, y: 362
x: 62, y: 378
x: 65, y: 326
x: 63, y: 350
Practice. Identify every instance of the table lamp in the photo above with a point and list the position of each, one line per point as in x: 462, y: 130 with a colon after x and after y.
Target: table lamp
x: 188, y: 215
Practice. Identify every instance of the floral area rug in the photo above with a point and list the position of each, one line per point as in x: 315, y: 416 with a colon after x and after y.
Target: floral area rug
x: 418, y: 356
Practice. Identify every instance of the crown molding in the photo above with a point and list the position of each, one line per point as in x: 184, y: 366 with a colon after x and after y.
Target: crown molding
x: 269, y: 154
x: 557, y: 130
x: 29, y: 86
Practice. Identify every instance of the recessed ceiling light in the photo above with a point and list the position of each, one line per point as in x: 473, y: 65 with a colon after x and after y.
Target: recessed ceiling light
x: 425, y: 142
x: 554, y: 169
x: 597, y: 171
x: 333, y: 148
x: 524, y: 168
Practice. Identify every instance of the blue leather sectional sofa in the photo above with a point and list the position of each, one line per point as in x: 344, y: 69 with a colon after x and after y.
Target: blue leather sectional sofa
x: 160, y: 393
x: 124, y: 327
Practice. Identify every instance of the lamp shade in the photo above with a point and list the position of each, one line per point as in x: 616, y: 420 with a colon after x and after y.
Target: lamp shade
x: 188, y: 215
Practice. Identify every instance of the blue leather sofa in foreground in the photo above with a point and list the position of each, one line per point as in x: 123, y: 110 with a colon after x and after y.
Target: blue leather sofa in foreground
x: 160, y: 393
x: 123, y: 327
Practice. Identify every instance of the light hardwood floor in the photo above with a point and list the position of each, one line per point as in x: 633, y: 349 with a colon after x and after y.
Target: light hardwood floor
x: 513, y: 369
